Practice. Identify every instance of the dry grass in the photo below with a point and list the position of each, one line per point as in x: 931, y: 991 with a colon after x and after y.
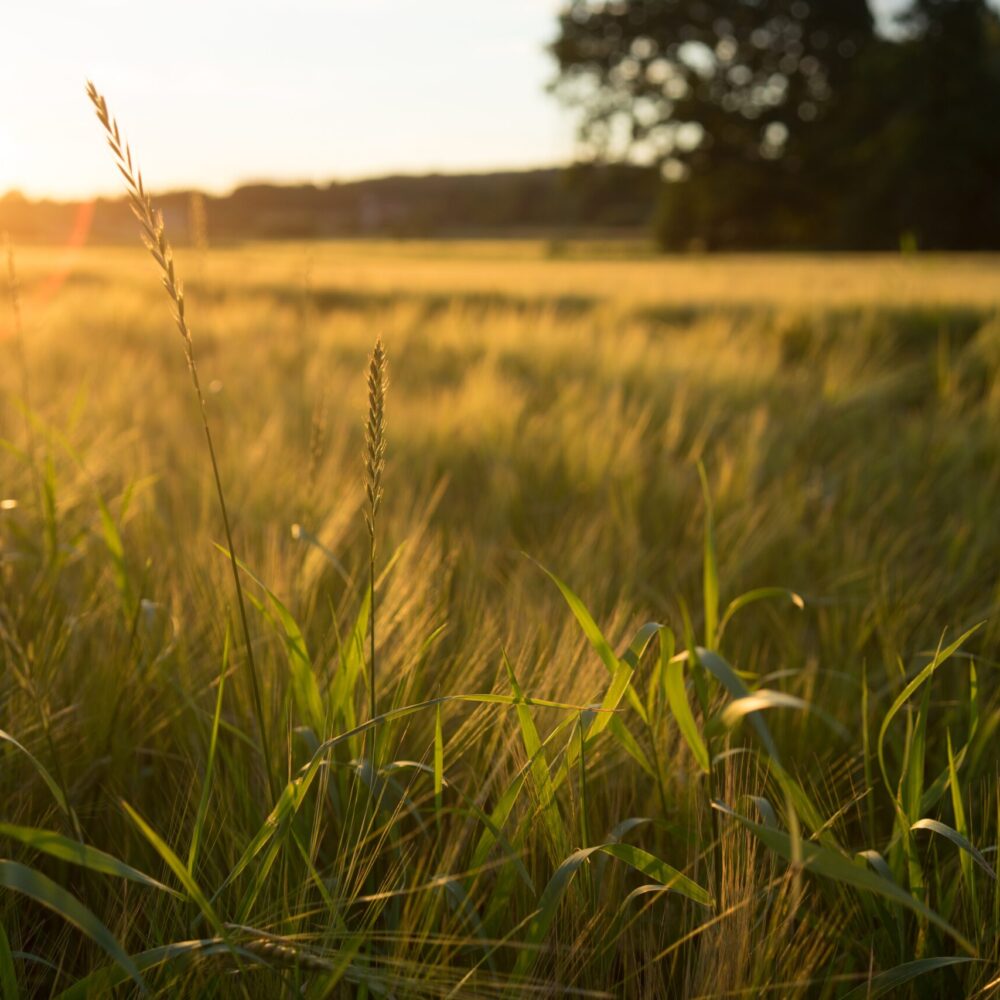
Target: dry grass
x: 846, y: 413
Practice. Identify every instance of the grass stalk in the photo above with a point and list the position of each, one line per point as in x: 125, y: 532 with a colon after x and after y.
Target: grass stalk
x: 374, y: 468
x: 153, y: 234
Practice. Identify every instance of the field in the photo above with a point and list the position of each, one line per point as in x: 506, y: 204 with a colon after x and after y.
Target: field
x: 661, y: 435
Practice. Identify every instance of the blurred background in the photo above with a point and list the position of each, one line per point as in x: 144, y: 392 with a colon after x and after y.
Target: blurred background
x: 702, y: 124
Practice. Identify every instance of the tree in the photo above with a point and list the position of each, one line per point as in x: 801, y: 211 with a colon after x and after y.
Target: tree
x: 929, y: 149
x: 777, y: 122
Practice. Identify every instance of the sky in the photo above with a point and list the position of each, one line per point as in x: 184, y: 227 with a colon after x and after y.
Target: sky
x: 214, y: 93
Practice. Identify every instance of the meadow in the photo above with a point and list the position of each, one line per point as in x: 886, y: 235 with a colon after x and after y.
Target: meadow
x: 619, y: 777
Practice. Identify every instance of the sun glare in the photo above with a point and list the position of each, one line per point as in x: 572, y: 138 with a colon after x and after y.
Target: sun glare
x: 10, y: 156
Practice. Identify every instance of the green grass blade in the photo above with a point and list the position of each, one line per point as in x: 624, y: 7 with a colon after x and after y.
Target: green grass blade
x: 681, y: 709
x: 878, y: 863
x: 352, y: 664
x: 206, y: 781
x: 57, y: 846
x: 736, y: 687
x: 294, y: 792
x: 710, y: 566
x: 548, y: 903
x: 116, y: 550
x: 764, y: 698
x: 962, y: 843
x: 656, y: 686
x: 43, y: 773
x: 829, y: 864
x: 752, y: 597
x: 804, y: 806
x: 541, y: 777
x: 590, y: 628
x: 958, y: 809
x: 497, y: 819
x: 102, y: 982
x: 933, y: 793
x: 593, y: 633
x: 940, y: 657
x: 285, y: 808
x: 175, y: 864
x: 631, y: 745
x: 653, y: 867
x: 43, y: 890
x: 893, y: 979
x: 305, y: 690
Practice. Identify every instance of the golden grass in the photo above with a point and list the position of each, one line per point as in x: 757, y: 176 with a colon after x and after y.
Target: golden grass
x: 846, y: 413
x: 622, y: 276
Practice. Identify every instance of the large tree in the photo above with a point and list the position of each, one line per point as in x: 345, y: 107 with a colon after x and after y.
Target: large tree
x: 921, y: 139
x: 774, y: 122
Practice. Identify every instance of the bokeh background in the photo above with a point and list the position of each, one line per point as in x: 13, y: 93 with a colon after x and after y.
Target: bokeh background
x: 719, y: 124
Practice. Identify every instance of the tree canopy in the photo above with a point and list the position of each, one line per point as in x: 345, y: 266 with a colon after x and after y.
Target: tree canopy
x: 795, y: 122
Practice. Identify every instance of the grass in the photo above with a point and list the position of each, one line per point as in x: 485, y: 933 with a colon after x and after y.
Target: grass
x: 741, y: 742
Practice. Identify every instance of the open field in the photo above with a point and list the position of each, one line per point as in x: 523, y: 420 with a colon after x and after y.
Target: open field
x: 545, y: 401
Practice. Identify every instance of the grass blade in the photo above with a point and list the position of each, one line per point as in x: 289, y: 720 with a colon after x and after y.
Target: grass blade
x: 962, y: 843
x: 681, y: 709
x: 737, y: 689
x: 548, y: 903
x: 175, y: 864
x: 57, y: 846
x: 653, y: 867
x: 43, y: 773
x: 43, y: 890
x: 541, y: 778
x: 710, y: 566
x: 939, y: 658
x: 206, y: 781
x: 892, y: 979
x: 102, y: 982
x: 305, y: 690
x: 593, y: 633
x: 752, y: 597
x: 831, y: 865
x: 763, y: 698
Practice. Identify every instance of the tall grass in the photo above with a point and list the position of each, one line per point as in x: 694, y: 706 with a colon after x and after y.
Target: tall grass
x: 740, y: 741
x: 155, y: 239
x: 375, y: 445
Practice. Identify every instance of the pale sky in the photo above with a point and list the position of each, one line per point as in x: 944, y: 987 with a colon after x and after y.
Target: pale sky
x: 212, y: 93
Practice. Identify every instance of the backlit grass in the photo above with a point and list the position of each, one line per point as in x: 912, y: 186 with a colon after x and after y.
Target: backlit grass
x: 565, y: 798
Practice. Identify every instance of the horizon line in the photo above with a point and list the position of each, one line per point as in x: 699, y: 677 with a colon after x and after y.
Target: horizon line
x: 16, y: 193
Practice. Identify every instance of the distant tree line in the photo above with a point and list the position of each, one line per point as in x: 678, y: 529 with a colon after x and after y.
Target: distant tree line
x: 588, y: 199
x: 795, y: 123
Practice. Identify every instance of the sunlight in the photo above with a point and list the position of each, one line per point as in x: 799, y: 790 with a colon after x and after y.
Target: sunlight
x: 11, y: 156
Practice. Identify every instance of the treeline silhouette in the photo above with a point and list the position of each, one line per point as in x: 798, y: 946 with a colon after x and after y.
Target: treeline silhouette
x: 796, y: 123
x: 589, y: 199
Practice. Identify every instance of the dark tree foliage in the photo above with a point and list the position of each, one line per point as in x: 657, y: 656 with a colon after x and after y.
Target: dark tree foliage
x: 793, y: 122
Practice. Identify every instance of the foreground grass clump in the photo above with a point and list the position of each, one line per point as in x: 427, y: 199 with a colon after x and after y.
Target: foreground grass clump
x: 628, y: 780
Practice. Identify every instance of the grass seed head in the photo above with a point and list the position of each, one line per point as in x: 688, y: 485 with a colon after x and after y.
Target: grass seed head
x: 375, y: 440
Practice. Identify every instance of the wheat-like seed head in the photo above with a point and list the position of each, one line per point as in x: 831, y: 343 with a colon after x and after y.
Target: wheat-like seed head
x: 150, y: 219
x: 375, y: 432
x: 278, y: 951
